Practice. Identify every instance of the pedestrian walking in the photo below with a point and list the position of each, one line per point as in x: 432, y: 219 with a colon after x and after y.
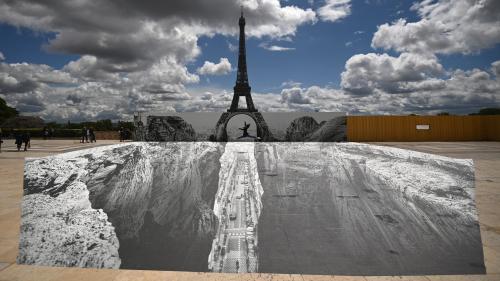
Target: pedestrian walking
x: 45, y: 133
x: 19, y: 141
x: 88, y: 135
x: 84, y: 135
x: 1, y: 141
x: 92, y: 135
x: 121, y: 133
x: 27, y: 141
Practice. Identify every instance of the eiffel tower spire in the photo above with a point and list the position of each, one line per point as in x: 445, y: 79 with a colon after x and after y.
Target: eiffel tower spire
x: 242, y: 88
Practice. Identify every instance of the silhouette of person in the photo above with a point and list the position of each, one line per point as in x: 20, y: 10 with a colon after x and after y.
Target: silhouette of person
x: 84, y: 135
x: 26, y: 141
x: 92, y: 135
x: 245, y: 131
x: 19, y: 141
x: 121, y: 132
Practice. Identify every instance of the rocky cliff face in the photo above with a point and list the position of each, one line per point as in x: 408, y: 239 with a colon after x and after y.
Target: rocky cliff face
x: 333, y: 130
x: 169, y: 128
x: 307, y: 129
x: 300, y: 128
x: 157, y: 196
x: 350, y: 200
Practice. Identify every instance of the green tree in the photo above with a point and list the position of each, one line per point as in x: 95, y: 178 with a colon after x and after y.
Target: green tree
x: 6, y: 111
x: 489, y: 111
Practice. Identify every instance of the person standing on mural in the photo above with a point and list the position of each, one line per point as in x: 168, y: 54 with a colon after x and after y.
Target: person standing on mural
x: 245, y: 131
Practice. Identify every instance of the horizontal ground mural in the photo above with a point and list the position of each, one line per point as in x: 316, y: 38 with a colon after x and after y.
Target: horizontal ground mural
x: 274, y: 207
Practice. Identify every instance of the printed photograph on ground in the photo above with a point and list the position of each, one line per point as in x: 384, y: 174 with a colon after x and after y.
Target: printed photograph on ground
x: 273, y: 207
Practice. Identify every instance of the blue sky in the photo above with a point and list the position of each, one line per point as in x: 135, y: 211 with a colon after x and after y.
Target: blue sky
x: 320, y: 47
x: 153, y: 62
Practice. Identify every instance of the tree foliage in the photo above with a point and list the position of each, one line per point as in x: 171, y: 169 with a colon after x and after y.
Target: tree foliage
x: 6, y: 111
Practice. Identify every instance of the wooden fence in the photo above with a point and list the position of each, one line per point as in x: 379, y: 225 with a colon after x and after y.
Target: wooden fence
x: 430, y: 128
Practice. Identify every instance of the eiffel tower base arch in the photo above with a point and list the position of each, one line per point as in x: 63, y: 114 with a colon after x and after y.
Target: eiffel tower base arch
x: 263, y: 132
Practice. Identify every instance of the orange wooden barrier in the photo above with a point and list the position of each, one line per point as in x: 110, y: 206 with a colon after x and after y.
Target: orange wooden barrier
x: 441, y: 128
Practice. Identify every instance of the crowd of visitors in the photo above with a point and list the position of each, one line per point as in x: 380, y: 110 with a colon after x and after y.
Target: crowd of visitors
x: 88, y: 135
x: 22, y: 138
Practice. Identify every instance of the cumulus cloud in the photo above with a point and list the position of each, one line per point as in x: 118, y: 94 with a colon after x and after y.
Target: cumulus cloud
x: 334, y: 10
x: 125, y: 36
x: 446, y: 27
x: 133, y: 54
x: 495, y: 67
x: 23, y: 77
x: 294, y: 95
x: 366, y: 73
x: 2, y: 57
x: 210, y: 68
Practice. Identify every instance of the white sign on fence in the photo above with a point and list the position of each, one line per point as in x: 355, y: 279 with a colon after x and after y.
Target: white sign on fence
x: 423, y: 127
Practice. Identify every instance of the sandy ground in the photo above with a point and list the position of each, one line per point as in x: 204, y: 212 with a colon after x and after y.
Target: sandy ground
x: 486, y: 156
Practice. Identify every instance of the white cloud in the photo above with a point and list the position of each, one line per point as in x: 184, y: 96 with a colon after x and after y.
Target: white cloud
x: 275, y: 48
x: 18, y: 78
x: 232, y: 47
x: 290, y: 84
x: 294, y: 95
x: 2, y: 57
x: 210, y: 68
x: 446, y: 27
x: 495, y: 68
x: 366, y: 73
x: 334, y: 10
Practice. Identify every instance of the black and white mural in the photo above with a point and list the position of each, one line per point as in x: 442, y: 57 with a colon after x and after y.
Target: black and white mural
x: 274, y: 207
x: 242, y: 126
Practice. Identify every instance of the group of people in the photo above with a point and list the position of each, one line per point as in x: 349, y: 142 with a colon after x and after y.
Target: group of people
x: 20, y: 139
x: 124, y: 134
x: 48, y: 133
x: 88, y: 135
x: 23, y: 138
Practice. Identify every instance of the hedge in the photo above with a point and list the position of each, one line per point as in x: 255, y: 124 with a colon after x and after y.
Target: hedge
x: 38, y: 133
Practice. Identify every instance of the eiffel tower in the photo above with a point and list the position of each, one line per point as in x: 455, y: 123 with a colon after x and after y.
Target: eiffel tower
x: 242, y: 89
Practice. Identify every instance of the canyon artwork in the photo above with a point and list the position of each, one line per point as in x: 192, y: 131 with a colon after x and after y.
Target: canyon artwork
x: 303, y: 207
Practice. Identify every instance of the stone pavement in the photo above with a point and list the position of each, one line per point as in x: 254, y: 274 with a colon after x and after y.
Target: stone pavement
x: 486, y: 156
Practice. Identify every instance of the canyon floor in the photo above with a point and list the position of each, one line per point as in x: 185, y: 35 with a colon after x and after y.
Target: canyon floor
x: 485, y: 155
